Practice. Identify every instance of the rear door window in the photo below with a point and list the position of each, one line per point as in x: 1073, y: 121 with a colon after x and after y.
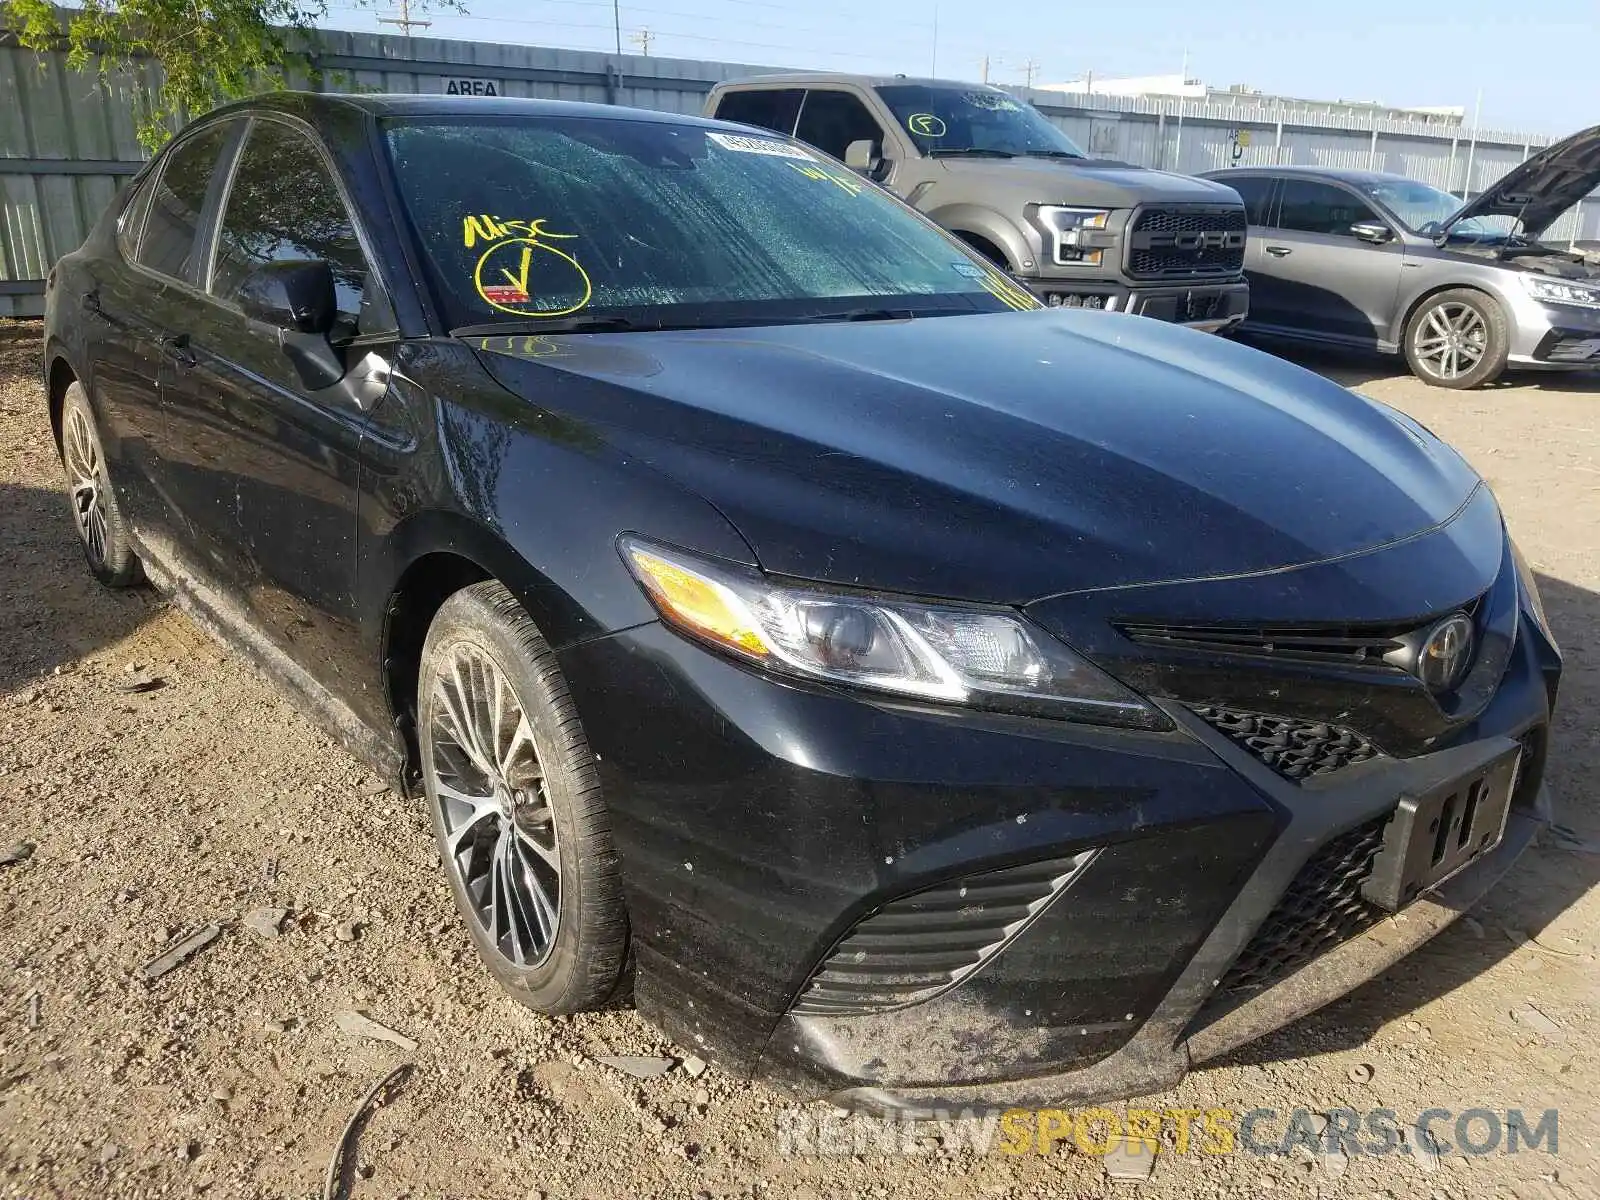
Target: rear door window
x: 1256, y: 192
x: 1310, y: 206
x: 172, y: 226
x: 831, y: 120
x: 774, y: 108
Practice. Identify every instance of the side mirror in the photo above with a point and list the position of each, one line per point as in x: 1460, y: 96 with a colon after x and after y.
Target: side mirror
x: 297, y: 299
x: 297, y: 296
x: 862, y: 156
x: 1375, y: 232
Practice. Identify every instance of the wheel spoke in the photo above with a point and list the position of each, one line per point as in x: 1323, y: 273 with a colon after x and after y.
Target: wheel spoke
x: 468, y: 823
x: 521, y: 736
x: 1439, y: 323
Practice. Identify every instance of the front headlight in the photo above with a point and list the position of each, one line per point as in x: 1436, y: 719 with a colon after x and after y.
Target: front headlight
x: 1530, y: 589
x: 985, y: 658
x: 1561, y: 291
x: 1069, y: 226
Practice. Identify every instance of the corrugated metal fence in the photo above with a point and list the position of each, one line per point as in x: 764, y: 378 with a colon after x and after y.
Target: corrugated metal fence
x: 67, y: 137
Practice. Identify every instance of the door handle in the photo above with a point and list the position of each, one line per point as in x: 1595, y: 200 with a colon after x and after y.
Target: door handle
x: 1279, y: 251
x: 176, y: 347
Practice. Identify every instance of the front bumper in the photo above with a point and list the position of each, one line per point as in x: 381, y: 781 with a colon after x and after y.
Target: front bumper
x: 1553, y: 337
x: 1210, y: 307
x: 761, y: 823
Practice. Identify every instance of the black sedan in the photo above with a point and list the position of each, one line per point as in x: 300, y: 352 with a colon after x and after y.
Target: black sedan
x: 918, y: 698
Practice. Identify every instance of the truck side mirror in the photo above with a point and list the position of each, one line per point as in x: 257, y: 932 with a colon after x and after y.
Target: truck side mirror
x: 862, y: 156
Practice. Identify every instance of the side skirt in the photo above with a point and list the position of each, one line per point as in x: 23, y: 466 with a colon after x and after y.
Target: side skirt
x: 213, y: 613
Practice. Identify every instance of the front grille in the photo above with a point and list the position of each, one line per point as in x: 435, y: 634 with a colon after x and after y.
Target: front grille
x: 1186, y: 243
x: 1295, y: 749
x: 915, y: 947
x: 1322, y: 908
x: 1345, y: 645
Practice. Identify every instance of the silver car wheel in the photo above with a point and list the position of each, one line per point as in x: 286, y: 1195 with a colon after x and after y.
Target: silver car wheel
x: 1451, y: 340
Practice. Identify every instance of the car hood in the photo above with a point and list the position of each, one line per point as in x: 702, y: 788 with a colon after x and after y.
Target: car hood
x: 1090, y: 182
x: 1003, y: 457
x: 1544, y: 187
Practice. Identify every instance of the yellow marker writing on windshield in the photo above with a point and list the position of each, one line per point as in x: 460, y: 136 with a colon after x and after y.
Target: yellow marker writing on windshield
x: 507, y: 272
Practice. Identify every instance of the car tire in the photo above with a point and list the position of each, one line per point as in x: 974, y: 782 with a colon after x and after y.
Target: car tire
x: 96, y: 514
x: 523, y: 833
x: 1457, y: 339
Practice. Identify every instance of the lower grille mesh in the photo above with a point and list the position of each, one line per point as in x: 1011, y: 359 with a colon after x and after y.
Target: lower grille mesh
x: 915, y: 947
x: 1322, y: 908
x: 1295, y: 749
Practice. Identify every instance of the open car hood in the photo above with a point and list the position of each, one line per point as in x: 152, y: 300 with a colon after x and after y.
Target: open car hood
x: 1541, y: 189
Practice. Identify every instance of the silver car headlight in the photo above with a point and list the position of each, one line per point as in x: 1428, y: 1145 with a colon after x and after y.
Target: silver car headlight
x: 1551, y: 290
x: 954, y: 654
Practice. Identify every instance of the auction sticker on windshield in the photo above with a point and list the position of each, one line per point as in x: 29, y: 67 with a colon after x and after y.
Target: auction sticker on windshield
x: 759, y: 145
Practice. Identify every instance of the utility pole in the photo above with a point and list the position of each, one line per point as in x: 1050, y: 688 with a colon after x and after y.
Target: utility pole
x: 1029, y: 70
x: 616, y: 22
x: 985, y: 64
x: 404, y: 20
x: 642, y: 39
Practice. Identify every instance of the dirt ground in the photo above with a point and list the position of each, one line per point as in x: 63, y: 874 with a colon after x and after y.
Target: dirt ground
x: 157, y: 812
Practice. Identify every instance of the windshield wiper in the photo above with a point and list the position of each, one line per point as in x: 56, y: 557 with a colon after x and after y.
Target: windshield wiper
x: 979, y: 151
x: 881, y: 314
x: 573, y: 324
x: 1051, y: 154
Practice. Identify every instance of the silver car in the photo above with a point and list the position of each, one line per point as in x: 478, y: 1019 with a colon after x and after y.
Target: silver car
x: 1375, y: 261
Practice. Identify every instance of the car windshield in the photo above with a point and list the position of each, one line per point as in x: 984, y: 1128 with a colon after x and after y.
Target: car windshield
x: 974, y: 120
x: 1423, y: 210
x: 598, y: 222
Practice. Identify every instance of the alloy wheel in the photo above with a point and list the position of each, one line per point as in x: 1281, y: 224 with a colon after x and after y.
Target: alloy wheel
x: 86, y: 483
x: 487, y: 778
x: 1451, y: 340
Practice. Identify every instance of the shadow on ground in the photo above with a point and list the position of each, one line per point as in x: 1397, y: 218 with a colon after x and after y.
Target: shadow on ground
x: 52, y: 609
x: 1543, y: 884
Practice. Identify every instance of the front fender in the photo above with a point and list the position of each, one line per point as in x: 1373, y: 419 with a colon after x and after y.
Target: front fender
x: 455, y: 464
x: 992, y: 227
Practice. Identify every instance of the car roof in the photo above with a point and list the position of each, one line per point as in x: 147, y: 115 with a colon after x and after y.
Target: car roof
x: 814, y: 78
x: 1341, y: 174
x: 320, y: 106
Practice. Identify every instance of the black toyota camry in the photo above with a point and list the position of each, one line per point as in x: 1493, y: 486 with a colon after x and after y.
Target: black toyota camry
x: 916, y: 697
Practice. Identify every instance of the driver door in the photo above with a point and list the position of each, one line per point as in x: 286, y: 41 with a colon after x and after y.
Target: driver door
x: 1315, y: 276
x: 288, y: 452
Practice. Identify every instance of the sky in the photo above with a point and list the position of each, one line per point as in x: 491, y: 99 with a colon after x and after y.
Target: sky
x: 1533, y: 60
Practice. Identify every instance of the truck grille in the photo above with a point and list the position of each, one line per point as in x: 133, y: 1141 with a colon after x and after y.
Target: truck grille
x: 923, y: 944
x: 1295, y: 749
x: 1322, y: 908
x: 1195, y: 242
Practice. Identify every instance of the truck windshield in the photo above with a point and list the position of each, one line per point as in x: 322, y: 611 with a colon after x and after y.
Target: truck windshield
x: 619, y: 223
x: 1423, y: 210
x: 974, y: 120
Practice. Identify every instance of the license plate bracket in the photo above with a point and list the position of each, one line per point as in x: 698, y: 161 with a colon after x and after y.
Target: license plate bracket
x: 1439, y: 832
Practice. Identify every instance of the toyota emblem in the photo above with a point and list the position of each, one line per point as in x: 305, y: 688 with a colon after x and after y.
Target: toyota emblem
x: 1446, y: 654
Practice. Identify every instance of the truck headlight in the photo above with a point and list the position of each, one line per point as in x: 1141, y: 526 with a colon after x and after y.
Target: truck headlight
x: 1551, y: 290
x: 956, y: 654
x: 1071, y: 227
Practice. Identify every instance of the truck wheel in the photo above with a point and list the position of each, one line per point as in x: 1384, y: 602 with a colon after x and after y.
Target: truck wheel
x: 523, y: 833
x: 102, y: 530
x: 1457, y: 339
